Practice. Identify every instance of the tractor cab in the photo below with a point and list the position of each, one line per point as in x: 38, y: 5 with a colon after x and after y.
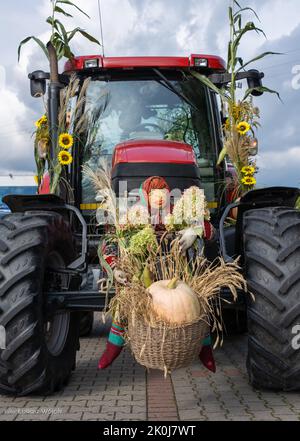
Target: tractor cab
x: 149, y: 116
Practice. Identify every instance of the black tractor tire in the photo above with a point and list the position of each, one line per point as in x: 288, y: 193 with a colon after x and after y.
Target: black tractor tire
x: 86, y: 323
x: 272, y: 264
x: 40, y: 352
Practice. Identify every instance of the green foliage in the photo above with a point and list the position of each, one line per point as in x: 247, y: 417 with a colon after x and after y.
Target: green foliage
x: 60, y: 37
x: 207, y: 82
x: 37, y: 40
x: 142, y: 242
x: 259, y: 89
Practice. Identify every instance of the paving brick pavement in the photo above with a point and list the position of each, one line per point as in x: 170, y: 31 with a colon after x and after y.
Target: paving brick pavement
x: 126, y: 392
x: 227, y: 395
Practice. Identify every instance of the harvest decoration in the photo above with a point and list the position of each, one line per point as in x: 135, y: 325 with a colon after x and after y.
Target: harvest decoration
x: 142, y: 241
x: 41, y: 146
x: 70, y: 118
x: 60, y: 39
x: 42, y: 121
x: 249, y: 181
x: 243, y: 117
x: 167, y: 293
x: 247, y: 176
x: 188, y: 209
x: 174, y: 301
x: 248, y: 170
x: 65, y: 158
x: 175, y: 308
x: 243, y: 127
x: 131, y: 233
x: 66, y: 140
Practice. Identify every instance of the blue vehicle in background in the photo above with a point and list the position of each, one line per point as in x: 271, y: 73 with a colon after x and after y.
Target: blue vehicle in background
x: 15, y: 185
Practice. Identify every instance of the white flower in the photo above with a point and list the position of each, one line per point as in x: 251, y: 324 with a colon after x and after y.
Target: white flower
x: 138, y: 215
x: 190, y: 208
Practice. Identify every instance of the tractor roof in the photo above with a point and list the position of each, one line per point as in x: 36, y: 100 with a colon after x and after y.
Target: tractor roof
x: 97, y: 61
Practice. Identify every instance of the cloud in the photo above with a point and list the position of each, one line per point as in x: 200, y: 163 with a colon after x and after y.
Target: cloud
x: 280, y: 167
x: 15, y: 133
x: 279, y: 18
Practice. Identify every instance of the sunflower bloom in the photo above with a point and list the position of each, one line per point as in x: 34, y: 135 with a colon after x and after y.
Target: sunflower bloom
x: 249, y: 181
x: 65, y: 141
x: 249, y: 170
x: 42, y: 121
x: 65, y: 158
x: 243, y: 127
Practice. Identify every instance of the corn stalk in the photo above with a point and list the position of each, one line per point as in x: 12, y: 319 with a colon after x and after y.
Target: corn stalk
x: 235, y: 142
x: 60, y: 37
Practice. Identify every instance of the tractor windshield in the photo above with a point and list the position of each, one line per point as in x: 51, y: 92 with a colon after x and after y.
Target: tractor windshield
x: 123, y: 110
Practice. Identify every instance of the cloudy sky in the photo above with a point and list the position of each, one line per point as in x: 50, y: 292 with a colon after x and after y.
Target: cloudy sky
x: 158, y: 27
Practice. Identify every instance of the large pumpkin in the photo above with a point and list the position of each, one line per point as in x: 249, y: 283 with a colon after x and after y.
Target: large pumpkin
x: 174, y: 301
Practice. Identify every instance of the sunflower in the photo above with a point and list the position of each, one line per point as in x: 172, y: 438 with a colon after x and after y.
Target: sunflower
x: 43, y: 120
x: 249, y: 181
x: 65, y: 158
x: 65, y: 141
x: 243, y: 127
x: 248, y: 170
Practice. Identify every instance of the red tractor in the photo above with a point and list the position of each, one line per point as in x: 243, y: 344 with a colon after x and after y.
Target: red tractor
x: 156, y: 118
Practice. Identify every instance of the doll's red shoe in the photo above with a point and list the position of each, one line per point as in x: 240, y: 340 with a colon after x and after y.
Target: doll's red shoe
x: 109, y: 355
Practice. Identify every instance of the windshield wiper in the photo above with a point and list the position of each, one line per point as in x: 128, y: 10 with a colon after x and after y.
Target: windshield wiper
x: 166, y: 83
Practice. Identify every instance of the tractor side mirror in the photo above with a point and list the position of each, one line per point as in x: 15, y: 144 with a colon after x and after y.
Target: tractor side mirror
x: 254, y: 82
x: 253, y: 148
x: 38, y: 83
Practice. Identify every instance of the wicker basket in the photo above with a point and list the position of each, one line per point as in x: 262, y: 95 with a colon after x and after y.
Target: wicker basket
x: 166, y: 348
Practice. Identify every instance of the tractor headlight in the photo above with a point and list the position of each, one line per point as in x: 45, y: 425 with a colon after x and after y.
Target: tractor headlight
x: 89, y: 64
x: 201, y: 62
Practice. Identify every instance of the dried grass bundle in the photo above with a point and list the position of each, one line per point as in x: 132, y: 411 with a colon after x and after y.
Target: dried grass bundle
x: 134, y: 302
x: 237, y: 149
x: 82, y: 121
x: 158, y: 344
x: 101, y: 180
x: 78, y: 115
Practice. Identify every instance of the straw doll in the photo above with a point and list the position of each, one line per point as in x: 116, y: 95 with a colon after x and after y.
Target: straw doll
x: 155, y: 196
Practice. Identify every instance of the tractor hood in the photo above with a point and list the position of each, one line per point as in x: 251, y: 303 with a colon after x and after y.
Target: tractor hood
x: 153, y: 151
x: 134, y: 161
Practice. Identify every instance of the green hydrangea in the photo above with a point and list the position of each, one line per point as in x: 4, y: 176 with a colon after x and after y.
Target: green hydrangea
x: 141, y: 242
